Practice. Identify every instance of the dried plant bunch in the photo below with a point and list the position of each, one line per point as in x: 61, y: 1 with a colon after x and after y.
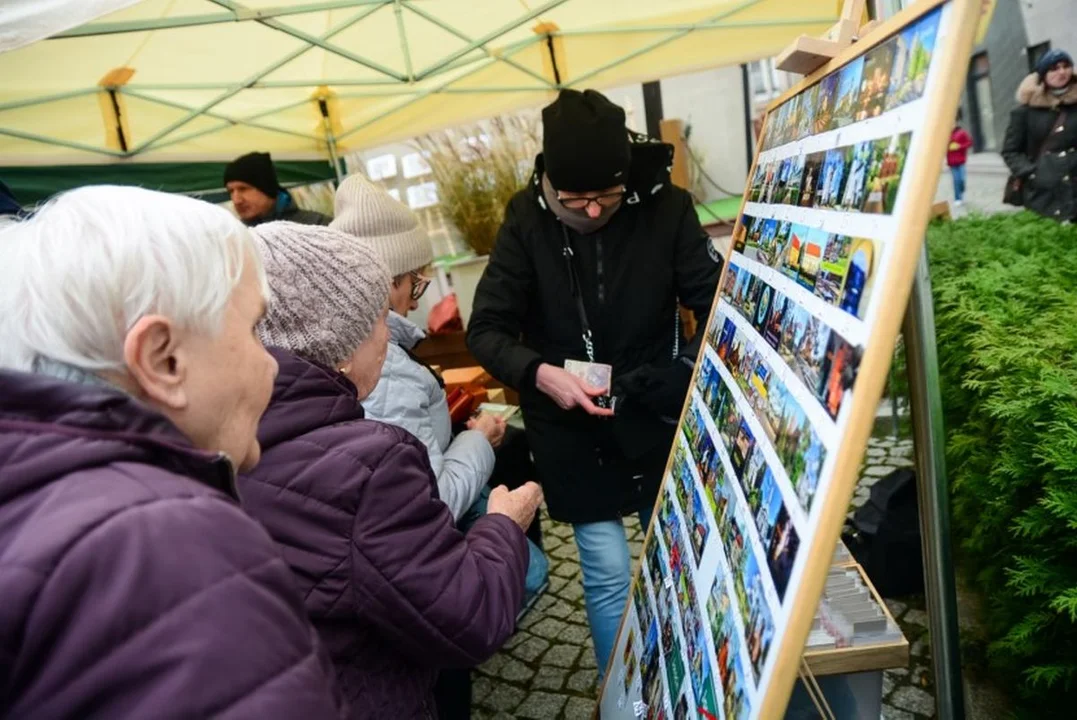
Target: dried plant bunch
x: 477, y: 171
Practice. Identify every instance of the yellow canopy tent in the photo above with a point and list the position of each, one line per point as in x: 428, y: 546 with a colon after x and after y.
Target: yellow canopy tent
x: 167, y: 81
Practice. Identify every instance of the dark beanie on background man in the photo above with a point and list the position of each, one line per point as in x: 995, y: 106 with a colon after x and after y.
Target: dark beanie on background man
x: 584, y: 143
x: 256, y: 169
x: 1049, y: 60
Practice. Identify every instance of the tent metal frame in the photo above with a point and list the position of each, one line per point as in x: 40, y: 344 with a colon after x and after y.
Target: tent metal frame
x: 475, y: 55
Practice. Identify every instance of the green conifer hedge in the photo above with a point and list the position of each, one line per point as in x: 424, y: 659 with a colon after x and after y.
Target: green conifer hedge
x: 1005, y: 290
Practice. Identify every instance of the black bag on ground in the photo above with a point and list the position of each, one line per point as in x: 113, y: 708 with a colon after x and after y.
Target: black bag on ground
x: 884, y: 536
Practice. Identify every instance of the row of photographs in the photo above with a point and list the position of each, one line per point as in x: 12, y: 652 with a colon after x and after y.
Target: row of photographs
x: 820, y: 357
x: 838, y: 269
x: 889, y: 75
x: 864, y: 177
x: 683, y: 588
x: 788, y: 430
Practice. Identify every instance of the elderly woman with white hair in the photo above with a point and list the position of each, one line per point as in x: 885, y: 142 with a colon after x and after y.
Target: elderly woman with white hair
x: 131, y: 385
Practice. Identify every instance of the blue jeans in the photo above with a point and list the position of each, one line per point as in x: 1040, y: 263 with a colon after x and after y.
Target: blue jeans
x: 958, y: 171
x: 607, y: 576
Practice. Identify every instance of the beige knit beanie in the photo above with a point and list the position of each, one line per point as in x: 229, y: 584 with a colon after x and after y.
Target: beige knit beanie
x: 326, y: 291
x: 365, y: 211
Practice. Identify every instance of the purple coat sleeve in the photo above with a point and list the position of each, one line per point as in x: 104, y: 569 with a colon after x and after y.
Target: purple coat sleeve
x: 176, y: 607
x: 447, y: 599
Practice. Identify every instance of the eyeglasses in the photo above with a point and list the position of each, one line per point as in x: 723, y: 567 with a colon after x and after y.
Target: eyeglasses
x: 605, y: 200
x: 419, y: 284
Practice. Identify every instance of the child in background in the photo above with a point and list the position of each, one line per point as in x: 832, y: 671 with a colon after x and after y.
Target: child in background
x: 957, y: 154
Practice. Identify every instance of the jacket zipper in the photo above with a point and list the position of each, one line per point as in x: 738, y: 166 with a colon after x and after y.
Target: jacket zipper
x: 601, y: 269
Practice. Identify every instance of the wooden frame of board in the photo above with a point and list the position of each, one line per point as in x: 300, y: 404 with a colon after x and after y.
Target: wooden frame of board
x: 909, y: 219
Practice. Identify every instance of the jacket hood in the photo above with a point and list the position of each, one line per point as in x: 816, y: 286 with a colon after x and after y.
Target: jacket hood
x: 652, y: 164
x: 404, y: 332
x: 1033, y: 93
x: 50, y: 428
x: 306, y: 396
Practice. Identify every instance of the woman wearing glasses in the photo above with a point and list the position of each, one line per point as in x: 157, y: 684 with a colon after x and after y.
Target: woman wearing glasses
x: 408, y: 394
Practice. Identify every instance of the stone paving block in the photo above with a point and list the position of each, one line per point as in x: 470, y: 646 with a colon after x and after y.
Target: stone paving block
x: 571, y: 592
x: 919, y: 648
x: 561, y: 656
x: 556, y: 583
x: 541, y: 706
x: 515, y: 639
x: 560, y: 610
x: 879, y: 470
x: 531, y: 649
x: 515, y: 671
x: 892, y: 713
x: 493, y: 665
x: 575, y: 634
x: 587, y: 659
x: 579, y: 709
x: 584, y: 682
x: 579, y: 617
x: 549, y: 678
x: 567, y: 551
x: 548, y: 628
x: 635, y: 547
x: 914, y: 700
x: 875, y: 452
x: 564, y: 569
x: 481, y: 687
x: 916, y: 617
x: 505, y: 698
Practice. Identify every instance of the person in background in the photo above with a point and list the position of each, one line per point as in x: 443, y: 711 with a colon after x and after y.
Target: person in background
x: 131, y: 384
x: 396, y: 591
x: 1041, y: 140
x: 589, y: 265
x: 411, y: 395
x: 257, y: 196
x: 957, y: 154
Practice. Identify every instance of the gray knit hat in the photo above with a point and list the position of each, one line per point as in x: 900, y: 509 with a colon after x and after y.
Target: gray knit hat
x: 365, y: 211
x: 326, y: 290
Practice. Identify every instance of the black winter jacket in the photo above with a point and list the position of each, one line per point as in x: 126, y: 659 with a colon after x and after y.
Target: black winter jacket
x: 1050, y: 183
x: 652, y: 253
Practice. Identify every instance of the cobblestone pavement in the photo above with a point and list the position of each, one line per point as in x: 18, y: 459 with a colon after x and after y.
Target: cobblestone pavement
x: 547, y: 669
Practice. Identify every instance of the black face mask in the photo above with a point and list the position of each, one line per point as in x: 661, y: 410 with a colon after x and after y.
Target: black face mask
x: 578, y: 220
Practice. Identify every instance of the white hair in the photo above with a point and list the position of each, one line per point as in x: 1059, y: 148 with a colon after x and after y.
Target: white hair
x: 77, y: 275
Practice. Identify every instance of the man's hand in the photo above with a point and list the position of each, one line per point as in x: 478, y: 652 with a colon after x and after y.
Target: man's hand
x: 490, y: 426
x: 568, y: 391
x: 519, y: 505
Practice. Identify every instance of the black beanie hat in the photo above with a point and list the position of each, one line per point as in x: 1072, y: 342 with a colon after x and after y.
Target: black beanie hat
x: 584, y: 142
x: 1049, y: 60
x: 256, y: 169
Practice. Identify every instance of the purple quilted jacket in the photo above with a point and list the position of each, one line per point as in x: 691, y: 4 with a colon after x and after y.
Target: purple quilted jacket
x: 395, y: 590
x: 131, y: 584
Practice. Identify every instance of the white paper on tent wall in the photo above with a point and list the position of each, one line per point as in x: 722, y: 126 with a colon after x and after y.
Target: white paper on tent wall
x: 381, y: 167
x: 414, y: 165
x: 23, y: 22
x: 423, y: 195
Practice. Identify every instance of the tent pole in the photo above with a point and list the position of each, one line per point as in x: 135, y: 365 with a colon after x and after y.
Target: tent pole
x: 468, y: 39
x: 659, y: 43
x: 235, y: 89
x: 277, y: 25
x: 330, y: 141
x: 60, y: 143
x: 113, y: 28
x: 445, y: 91
x: 408, y: 70
x: 475, y: 44
x: 701, y: 26
x: 15, y: 104
x: 216, y: 116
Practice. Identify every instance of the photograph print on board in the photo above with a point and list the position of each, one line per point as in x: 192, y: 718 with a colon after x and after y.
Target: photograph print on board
x: 811, y: 257
x: 795, y: 178
x: 782, y: 551
x: 859, y: 278
x: 740, y: 234
x: 813, y: 168
x: 809, y: 105
x: 756, y: 190
x: 884, y: 175
x: 832, y: 178
x: 832, y: 269
x: 838, y: 373
x: 856, y: 183
x: 876, y: 81
x: 847, y: 102
x: 825, y: 99
x: 914, y: 48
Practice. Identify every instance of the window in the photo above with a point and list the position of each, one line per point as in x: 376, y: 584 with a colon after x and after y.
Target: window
x: 381, y: 167
x: 981, y: 106
x: 1035, y: 52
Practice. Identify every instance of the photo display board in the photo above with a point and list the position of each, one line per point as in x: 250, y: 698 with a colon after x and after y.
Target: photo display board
x: 785, y: 389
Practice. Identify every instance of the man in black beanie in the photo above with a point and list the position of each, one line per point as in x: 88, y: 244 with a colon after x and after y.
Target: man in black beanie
x: 257, y: 196
x: 585, y: 279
